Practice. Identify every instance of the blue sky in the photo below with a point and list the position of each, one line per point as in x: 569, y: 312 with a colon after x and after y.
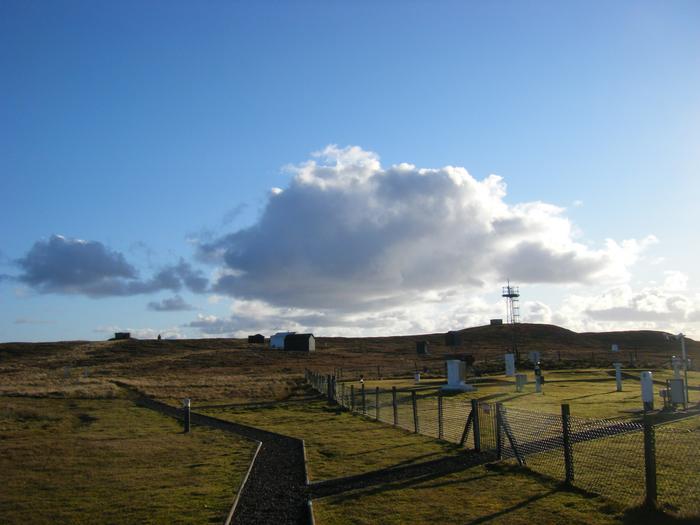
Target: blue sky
x: 158, y: 129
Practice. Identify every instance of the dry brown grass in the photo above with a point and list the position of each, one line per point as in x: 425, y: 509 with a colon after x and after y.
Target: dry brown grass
x: 219, y: 370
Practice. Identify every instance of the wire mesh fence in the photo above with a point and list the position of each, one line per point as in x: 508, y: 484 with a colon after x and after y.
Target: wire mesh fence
x: 630, y: 461
x: 678, y: 466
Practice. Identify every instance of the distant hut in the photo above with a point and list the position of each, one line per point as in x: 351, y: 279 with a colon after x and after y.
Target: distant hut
x: 496, y: 322
x: 122, y: 335
x: 256, y: 339
x: 277, y: 340
x: 300, y: 343
x: 453, y: 338
x: 422, y: 347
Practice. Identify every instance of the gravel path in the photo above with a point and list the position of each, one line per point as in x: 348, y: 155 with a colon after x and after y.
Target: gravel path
x: 275, y: 492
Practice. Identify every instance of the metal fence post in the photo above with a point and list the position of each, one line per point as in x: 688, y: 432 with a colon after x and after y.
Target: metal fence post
x: 650, y: 461
x: 441, y: 433
x: 352, y: 398
x: 416, y: 426
x: 475, y: 423
x: 394, y: 405
x: 568, y: 450
x: 376, y: 403
x: 364, y: 401
x: 499, y: 432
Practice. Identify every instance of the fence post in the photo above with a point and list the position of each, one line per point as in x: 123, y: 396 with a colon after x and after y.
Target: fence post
x: 475, y: 423
x: 329, y: 394
x: 499, y: 433
x: 394, y: 405
x: 568, y: 451
x: 650, y: 461
x: 352, y: 398
x: 376, y: 403
x: 364, y: 401
x: 416, y: 426
x: 186, y: 414
x: 441, y: 433
x: 342, y: 394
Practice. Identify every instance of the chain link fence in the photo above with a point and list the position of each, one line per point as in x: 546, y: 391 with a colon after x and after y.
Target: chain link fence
x: 630, y: 461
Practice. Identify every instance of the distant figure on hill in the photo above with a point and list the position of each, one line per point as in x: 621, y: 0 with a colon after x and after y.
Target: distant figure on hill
x: 158, y: 337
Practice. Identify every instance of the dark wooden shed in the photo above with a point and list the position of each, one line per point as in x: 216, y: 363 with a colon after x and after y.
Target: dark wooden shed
x: 300, y: 342
x: 122, y: 335
x: 256, y: 339
x: 453, y: 338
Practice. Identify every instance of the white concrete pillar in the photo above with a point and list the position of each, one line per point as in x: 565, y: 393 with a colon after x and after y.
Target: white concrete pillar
x: 618, y: 376
x: 510, y: 364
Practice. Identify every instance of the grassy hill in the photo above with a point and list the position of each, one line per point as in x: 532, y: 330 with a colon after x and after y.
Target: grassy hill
x: 232, y: 369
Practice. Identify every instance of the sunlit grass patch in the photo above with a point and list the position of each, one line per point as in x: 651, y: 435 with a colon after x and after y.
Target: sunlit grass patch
x: 107, y: 461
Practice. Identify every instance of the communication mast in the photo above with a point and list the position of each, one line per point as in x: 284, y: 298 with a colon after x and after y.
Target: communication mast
x: 512, y: 295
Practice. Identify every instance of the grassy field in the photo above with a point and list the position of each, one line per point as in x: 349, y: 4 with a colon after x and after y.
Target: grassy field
x: 338, y: 443
x: 107, y: 461
x: 483, y: 494
x: 76, y: 450
x: 589, y: 392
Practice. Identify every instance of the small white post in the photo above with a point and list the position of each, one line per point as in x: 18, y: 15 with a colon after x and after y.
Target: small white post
x: 618, y: 376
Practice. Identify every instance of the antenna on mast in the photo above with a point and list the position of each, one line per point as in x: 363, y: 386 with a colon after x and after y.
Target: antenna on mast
x: 512, y: 295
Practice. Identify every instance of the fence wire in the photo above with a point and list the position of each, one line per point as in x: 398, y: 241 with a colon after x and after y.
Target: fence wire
x: 678, y: 466
x: 605, y: 456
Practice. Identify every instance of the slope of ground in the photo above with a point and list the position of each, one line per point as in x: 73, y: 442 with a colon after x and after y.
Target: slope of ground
x: 107, y: 461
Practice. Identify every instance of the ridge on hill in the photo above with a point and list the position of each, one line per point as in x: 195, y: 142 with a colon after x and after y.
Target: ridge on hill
x: 536, y: 334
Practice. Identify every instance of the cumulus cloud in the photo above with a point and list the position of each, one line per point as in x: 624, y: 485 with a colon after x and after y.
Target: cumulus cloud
x: 654, y: 306
x: 170, y: 304
x: 74, y: 266
x: 437, y: 313
x: 348, y: 235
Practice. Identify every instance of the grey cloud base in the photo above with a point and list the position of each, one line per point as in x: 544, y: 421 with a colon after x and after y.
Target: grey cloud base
x: 73, y: 266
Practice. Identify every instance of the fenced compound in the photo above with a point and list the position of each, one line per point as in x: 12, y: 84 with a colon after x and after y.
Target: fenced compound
x: 628, y: 460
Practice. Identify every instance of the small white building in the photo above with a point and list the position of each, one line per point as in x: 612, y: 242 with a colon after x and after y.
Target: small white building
x: 277, y: 340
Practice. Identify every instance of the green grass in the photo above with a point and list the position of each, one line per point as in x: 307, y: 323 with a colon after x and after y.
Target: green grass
x: 338, y: 443
x: 484, y: 494
x: 589, y: 392
x: 107, y: 461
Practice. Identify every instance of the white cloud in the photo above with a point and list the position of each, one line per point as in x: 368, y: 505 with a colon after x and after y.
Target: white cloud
x: 348, y: 236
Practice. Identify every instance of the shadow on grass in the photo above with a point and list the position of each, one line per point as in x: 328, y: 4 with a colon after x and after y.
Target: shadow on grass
x: 512, y: 508
x: 591, y: 395
x: 649, y: 516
